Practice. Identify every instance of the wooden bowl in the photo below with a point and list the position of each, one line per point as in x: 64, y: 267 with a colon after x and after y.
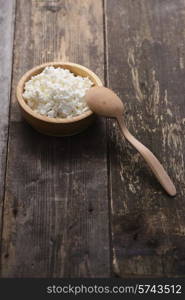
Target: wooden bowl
x: 56, y: 126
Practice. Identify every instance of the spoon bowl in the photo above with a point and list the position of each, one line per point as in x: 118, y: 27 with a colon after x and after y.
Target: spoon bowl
x: 104, y: 102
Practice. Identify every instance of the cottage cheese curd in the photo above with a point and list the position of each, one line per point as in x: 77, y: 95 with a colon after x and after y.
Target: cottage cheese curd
x: 57, y: 93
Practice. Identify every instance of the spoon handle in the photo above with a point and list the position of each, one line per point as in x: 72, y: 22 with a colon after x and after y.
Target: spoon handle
x: 149, y: 157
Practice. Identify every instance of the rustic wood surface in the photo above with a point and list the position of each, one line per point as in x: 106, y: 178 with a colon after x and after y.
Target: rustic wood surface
x: 147, y: 70
x: 7, y: 17
x: 87, y: 205
x: 56, y: 206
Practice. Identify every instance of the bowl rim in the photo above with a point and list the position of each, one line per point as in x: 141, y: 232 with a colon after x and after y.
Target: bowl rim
x: 28, y: 74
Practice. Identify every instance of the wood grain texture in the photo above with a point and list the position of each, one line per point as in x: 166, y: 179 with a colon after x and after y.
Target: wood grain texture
x: 7, y: 15
x: 56, y: 207
x: 146, y: 69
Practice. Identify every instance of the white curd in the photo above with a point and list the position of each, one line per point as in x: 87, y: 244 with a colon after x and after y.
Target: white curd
x: 57, y: 93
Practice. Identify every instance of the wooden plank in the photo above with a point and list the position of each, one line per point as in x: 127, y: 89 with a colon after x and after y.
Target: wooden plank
x: 7, y: 14
x: 56, y: 207
x: 146, y: 68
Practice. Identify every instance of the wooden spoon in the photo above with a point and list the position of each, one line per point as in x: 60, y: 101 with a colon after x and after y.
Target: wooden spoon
x: 105, y: 102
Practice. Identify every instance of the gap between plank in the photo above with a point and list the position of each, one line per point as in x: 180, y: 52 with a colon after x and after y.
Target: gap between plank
x: 104, y: 5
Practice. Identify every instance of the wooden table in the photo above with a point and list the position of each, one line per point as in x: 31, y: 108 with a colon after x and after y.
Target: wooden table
x: 87, y: 205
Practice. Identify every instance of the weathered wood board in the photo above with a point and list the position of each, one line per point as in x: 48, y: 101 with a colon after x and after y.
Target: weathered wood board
x: 59, y: 192
x: 56, y: 206
x: 7, y: 15
x: 145, y: 66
